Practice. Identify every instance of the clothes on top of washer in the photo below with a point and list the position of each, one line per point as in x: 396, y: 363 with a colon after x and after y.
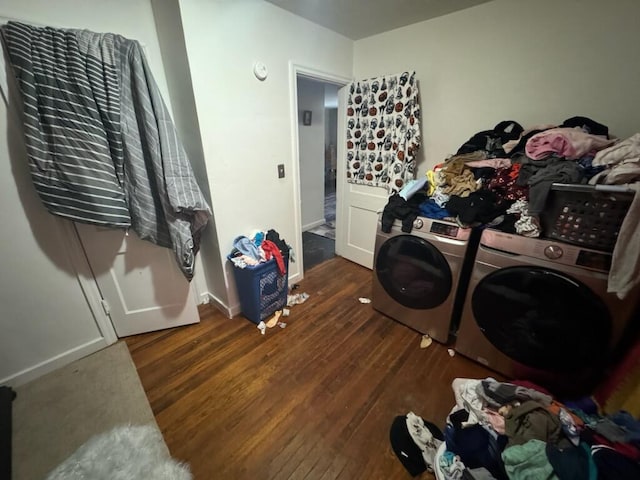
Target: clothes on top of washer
x: 569, y: 143
x: 401, y: 209
x: 468, y: 187
x: 477, y: 208
x: 412, y: 187
x: 431, y: 209
x: 587, y: 125
x: 491, y: 141
x: 555, y: 154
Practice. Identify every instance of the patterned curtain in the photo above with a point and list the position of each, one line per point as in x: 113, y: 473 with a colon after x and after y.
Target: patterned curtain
x: 383, y: 131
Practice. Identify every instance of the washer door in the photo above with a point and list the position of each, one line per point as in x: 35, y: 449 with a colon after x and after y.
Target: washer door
x: 413, y: 272
x: 542, y: 318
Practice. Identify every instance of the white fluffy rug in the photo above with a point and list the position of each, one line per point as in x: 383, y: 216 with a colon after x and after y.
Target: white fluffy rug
x: 124, y: 453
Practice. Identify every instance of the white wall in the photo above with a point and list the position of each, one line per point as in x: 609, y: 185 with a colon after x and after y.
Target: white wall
x: 246, y: 125
x: 208, y: 279
x: 533, y: 62
x: 311, y: 142
x: 45, y: 319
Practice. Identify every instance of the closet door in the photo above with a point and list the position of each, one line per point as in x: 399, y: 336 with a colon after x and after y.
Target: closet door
x: 141, y: 285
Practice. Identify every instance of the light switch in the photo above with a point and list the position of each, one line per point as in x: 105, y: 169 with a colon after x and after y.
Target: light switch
x: 281, y: 170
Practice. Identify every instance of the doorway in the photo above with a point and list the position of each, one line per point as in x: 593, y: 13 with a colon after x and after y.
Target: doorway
x: 317, y: 142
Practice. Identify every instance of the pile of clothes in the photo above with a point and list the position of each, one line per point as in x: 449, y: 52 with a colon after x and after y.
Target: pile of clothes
x: 503, y: 175
x: 261, y: 247
x: 501, y: 178
x: 519, y: 431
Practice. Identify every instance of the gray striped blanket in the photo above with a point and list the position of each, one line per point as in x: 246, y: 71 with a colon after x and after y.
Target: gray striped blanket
x: 102, y: 147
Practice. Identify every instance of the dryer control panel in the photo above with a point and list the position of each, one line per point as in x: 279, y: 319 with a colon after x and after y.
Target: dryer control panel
x: 444, y: 229
x: 438, y: 229
x: 558, y: 252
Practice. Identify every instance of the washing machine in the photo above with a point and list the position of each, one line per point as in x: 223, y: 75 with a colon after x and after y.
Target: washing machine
x: 539, y: 309
x: 419, y: 278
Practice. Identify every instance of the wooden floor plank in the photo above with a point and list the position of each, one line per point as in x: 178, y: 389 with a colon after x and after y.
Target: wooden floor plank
x: 314, y: 400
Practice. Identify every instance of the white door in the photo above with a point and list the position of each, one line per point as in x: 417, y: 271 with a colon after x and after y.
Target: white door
x: 357, y: 206
x: 141, y: 284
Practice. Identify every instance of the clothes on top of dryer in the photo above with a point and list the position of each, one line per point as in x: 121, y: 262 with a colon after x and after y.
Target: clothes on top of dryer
x: 589, y: 170
x: 624, y: 274
x: 461, y: 185
x: 431, y: 209
x: 526, y: 224
x: 587, y: 125
x: 621, y: 163
x: 491, y: 141
x: 431, y: 182
x: 555, y: 171
x: 480, y: 207
x: 623, y: 150
x: 504, y: 183
x: 455, y: 178
x: 440, y: 198
x: 401, y: 209
x: 577, y: 151
x: 517, y: 147
x: 412, y: 187
x: 569, y: 143
x: 494, y: 163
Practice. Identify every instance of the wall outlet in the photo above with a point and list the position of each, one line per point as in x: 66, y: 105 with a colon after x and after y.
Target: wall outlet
x: 281, y: 170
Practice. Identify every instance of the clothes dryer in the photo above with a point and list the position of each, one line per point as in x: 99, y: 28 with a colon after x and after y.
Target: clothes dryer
x: 420, y: 278
x: 539, y: 309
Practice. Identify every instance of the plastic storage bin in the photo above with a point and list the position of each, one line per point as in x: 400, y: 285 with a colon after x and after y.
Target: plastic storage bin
x: 261, y: 289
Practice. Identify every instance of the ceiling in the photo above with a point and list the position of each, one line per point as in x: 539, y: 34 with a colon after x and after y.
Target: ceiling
x: 358, y: 19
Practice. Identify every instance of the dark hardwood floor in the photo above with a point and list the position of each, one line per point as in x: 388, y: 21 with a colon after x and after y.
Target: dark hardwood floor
x: 314, y: 400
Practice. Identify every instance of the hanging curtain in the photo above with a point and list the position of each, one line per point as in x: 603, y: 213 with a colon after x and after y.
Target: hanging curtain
x: 101, y: 145
x: 383, y: 131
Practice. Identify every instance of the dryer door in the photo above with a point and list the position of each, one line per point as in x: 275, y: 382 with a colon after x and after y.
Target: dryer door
x: 542, y: 318
x: 413, y: 272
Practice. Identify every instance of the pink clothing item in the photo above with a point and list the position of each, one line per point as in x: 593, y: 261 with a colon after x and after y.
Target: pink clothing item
x: 495, y: 420
x: 511, y: 144
x: 570, y: 143
x: 490, y: 162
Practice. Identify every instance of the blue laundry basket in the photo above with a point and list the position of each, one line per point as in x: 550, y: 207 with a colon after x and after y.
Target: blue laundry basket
x: 261, y: 288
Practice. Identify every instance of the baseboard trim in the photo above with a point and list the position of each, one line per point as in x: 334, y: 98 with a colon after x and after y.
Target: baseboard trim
x: 214, y: 301
x: 315, y: 224
x: 54, y: 363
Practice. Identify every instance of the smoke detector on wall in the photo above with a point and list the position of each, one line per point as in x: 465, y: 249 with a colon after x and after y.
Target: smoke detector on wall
x: 260, y: 70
